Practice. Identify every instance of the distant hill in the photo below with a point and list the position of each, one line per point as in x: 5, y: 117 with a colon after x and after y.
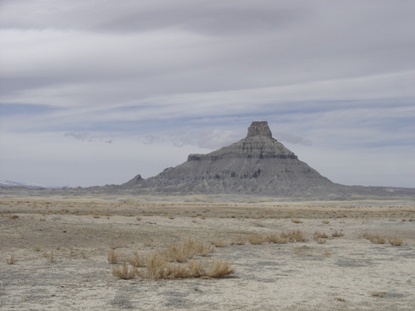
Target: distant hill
x: 257, y: 164
x: 15, y: 184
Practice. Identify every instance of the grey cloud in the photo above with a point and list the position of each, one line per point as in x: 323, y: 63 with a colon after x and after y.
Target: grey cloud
x: 82, y: 136
x: 293, y: 139
x: 208, y: 17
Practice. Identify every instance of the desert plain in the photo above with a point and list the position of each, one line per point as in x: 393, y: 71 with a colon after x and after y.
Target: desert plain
x: 353, y: 255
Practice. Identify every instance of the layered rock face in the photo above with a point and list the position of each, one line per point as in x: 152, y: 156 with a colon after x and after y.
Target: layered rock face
x: 257, y: 164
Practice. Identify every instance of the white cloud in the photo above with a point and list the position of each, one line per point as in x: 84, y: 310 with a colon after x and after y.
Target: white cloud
x: 189, y: 76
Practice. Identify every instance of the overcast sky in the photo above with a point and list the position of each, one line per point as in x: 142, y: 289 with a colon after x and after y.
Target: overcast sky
x: 93, y: 92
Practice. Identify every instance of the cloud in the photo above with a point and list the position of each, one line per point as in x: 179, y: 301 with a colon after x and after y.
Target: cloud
x: 189, y: 76
x: 80, y: 136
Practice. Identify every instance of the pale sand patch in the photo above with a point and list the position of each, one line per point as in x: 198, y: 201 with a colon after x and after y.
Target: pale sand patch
x: 342, y: 273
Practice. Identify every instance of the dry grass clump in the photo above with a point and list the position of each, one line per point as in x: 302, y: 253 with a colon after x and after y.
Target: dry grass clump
x: 12, y: 260
x: 124, y: 272
x: 294, y: 236
x: 374, y: 238
x: 239, y: 240
x: 137, y: 260
x: 219, y: 243
x: 51, y: 257
x: 158, y: 267
x: 277, y: 239
x: 378, y: 294
x: 113, y: 257
x: 216, y: 268
x: 257, y: 239
x: 396, y: 241
x: 337, y: 234
x: 296, y: 221
x: 320, y: 235
x: 187, y: 249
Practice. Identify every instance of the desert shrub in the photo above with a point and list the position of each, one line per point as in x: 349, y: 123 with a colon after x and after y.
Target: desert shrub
x: 158, y: 267
x: 112, y: 257
x: 239, y: 240
x: 294, y: 236
x: 219, y: 243
x: 218, y: 268
x: 256, y: 239
x: 124, y: 272
x: 396, y: 241
x: 187, y: 249
x: 137, y: 260
x: 277, y: 239
x: 51, y: 257
x: 337, y: 234
x: 178, y: 253
x: 320, y: 235
x: 374, y: 238
x: 12, y: 260
x: 296, y: 221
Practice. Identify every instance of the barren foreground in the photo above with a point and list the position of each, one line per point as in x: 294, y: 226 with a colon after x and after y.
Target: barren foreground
x: 54, y: 254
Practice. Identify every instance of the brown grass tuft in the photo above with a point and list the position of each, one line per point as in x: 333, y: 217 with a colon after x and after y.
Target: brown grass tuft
x: 378, y: 294
x: 296, y: 221
x: 337, y: 234
x: 239, y: 240
x: 124, y: 272
x: 294, y: 236
x: 396, y: 241
x: 277, y: 239
x: 218, y: 268
x: 219, y: 243
x: 113, y: 257
x: 187, y: 249
x: 137, y: 260
x: 256, y: 239
x: 52, y: 257
x: 374, y: 238
x: 320, y: 235
x: 12, y: 260
x: 158, y: 267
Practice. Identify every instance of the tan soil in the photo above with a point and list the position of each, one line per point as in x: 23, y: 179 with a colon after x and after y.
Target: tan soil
x: 344, y: 273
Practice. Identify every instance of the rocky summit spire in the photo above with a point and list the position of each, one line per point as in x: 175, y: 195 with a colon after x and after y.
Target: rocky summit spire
x: 256, y: 164
x: 259, y: 128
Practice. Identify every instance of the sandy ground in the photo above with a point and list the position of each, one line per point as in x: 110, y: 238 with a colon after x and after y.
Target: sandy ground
x: 61, y: 244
